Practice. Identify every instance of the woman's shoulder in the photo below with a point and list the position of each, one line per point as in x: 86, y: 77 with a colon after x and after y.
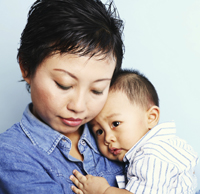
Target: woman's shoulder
x: 15, y: 141
x: 12, y: 136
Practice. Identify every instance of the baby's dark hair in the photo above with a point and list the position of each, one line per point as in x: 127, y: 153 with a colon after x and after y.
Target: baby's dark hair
x: 136, y: 86
x: 83, y: 27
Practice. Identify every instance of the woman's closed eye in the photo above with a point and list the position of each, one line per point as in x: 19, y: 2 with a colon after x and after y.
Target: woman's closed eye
x: 62, y: 87
x: 97, y: 92
x: 115, y: 124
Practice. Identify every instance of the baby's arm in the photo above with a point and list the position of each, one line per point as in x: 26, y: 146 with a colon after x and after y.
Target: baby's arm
x: 93, y: 185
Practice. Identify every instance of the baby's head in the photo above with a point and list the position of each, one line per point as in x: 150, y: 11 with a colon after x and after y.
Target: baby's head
x: 131, y: 110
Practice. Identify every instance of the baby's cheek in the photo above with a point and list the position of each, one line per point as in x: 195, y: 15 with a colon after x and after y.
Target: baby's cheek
x: 101, y: 146
x: 104, y: 150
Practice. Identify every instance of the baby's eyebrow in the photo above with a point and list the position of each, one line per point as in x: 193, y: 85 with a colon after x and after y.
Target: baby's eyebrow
x: 113, y: 115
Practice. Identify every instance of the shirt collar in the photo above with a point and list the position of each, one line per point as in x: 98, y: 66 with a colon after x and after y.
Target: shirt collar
x: 160, y: 132
x: 47, y: 138
x: 38, y: 132
x: 89, y: 138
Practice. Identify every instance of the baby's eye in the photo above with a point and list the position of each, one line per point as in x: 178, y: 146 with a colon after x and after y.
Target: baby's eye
x: 115, y: 124
x: 99, y: 132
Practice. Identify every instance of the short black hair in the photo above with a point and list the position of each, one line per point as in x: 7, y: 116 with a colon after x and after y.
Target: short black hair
x: 136, y: 86
x: 83, y: 27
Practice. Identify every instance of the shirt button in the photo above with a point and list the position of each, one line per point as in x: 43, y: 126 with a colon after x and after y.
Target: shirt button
x: 64, y: 140
x: 82, y: 142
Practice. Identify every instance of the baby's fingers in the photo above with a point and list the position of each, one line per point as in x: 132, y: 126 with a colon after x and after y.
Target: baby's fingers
x: 76, y: 190
x: 81, y: 178
x: 76, y: 182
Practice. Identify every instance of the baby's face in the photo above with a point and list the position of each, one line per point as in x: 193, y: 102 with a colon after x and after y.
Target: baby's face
x: 119, y: 126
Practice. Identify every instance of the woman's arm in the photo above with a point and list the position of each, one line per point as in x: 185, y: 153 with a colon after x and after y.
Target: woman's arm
x: 21, y: 174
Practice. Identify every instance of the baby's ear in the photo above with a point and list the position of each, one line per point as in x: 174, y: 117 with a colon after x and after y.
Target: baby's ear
x: 153, y: 116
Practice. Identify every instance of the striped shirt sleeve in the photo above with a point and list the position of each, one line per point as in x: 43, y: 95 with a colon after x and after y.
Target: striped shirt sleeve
x: 162, y: 168
x: 150, y: 175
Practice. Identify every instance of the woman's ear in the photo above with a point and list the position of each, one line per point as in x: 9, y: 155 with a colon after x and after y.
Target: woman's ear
x: 24, y: 73
x: 153, y: 116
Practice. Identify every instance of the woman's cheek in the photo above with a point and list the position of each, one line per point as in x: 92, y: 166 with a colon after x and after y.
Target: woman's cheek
x: 97, y: 107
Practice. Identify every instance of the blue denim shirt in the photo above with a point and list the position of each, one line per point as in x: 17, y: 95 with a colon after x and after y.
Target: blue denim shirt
x: 34, y: 158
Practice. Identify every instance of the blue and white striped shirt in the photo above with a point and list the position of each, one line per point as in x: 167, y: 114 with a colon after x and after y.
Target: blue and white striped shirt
x: 160, y: 163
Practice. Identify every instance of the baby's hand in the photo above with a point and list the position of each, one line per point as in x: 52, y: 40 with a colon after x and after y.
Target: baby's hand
x: 88, y: 184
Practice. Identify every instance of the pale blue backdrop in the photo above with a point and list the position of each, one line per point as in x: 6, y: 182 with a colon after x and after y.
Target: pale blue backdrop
x: 162, y: 39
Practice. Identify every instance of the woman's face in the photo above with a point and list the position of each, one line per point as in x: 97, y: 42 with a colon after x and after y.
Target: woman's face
x: 69, y: 90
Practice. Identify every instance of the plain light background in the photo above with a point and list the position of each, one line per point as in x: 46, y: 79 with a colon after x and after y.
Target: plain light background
x: 162, y: 40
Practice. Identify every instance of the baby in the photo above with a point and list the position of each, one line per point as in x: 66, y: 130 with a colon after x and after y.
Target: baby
x: 127, y: 130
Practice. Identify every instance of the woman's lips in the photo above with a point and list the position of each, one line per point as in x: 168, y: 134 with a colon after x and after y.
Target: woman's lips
x: 72, y: 121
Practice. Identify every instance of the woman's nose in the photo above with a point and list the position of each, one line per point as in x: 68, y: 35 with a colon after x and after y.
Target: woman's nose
x: 77, y: 103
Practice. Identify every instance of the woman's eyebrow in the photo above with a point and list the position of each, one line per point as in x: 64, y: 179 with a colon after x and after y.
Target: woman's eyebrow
x: 73, y: 76
x: 103, y: 79
x: 70, y: 74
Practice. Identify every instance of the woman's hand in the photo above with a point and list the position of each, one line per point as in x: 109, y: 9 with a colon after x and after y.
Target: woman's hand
x: 88, y: 184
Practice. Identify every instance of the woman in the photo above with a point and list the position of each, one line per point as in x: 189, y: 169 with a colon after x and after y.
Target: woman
x: 69, y: 51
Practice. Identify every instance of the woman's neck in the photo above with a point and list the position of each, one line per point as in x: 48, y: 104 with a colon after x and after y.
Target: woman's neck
x: 75, y: 137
